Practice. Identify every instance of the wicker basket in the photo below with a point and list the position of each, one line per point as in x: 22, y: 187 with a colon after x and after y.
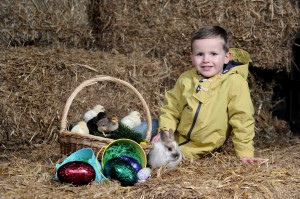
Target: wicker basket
x: 71, y: 142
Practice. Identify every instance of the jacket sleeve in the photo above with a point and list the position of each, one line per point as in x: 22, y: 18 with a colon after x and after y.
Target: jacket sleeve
x: 171, y: 109
x: 240, y: 112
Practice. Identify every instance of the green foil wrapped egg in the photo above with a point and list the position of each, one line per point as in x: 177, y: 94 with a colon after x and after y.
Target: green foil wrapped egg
x: 121, y: 170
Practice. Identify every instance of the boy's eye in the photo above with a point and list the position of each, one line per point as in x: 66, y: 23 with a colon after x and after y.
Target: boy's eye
x: 214, y: 54
x: 199, y: 54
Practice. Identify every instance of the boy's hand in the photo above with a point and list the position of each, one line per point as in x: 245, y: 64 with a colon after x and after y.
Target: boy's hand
x: 253, y: 160
x: 156, y: 138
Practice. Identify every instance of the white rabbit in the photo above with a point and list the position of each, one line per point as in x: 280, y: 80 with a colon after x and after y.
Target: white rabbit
x: 165, y: 152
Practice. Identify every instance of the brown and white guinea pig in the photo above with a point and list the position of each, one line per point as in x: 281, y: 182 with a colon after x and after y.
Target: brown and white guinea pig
x: 165, y: 152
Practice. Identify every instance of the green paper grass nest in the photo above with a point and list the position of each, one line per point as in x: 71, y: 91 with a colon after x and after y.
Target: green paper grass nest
x: 124, y: 147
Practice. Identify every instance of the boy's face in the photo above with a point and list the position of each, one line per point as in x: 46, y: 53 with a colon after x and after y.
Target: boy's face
x: 208, y: 56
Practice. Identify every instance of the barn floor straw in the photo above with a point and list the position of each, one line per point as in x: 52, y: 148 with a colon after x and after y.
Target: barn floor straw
x: 28, y: 173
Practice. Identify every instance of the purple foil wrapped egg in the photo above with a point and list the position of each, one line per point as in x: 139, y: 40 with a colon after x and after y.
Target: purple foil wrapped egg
x: 133, y: 162
x: 76, y: 172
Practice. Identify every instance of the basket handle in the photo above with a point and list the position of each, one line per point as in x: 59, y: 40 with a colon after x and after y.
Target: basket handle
x: 100, y: 78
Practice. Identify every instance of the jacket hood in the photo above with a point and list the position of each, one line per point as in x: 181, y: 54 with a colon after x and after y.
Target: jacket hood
x: 239, y: 63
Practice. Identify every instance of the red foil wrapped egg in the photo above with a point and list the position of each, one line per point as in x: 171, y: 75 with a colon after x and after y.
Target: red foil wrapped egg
x: 76, y: 172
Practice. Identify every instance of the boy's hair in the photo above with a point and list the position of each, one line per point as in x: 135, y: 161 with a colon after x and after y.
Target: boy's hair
x: 207, y: 32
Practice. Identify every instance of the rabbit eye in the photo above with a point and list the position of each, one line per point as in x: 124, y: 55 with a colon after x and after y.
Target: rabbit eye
x: 169, y: 148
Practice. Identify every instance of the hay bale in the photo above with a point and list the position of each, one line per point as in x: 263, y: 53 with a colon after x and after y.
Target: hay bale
x: 163, y: 28
x: 32, y: 22
x: 156, y: 28
x: 36, y: 82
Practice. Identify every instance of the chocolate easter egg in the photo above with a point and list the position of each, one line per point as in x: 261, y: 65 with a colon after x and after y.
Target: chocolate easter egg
x: 121, y: 170
x: 76, y: 172
x: 133, y: 162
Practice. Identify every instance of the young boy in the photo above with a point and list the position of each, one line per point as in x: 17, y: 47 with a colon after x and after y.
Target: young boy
x: 211, y: 100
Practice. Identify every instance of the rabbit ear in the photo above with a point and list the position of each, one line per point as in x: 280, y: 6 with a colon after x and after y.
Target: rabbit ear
x: 171, y: 134
x: 164, y: 135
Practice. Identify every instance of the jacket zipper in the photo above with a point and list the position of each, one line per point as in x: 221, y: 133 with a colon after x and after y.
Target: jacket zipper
x: 193, y: 124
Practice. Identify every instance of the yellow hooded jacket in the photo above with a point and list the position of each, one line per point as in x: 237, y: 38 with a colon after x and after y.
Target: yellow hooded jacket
x: 203, y: 111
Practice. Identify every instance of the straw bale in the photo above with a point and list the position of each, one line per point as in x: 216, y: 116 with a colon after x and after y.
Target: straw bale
x: 32, y: 22
x: 163, y: 28
x: 36, y: 82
